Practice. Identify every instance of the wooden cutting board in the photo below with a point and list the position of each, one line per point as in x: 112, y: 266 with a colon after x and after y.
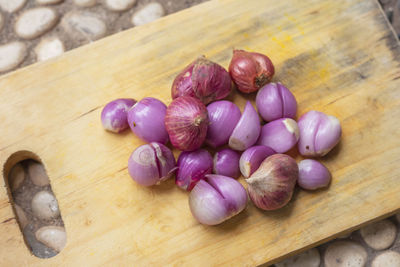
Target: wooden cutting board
x: 339, y: 57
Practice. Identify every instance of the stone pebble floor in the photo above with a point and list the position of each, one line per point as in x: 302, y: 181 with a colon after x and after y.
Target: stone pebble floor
x: 37, y: 30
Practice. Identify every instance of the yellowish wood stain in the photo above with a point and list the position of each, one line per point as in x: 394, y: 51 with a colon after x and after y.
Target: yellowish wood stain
x: 339, y: 57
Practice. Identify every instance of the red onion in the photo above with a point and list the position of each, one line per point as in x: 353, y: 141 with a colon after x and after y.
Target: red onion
x: 247, y: 129
x: 313, y: 174
x: 275, y: 101
x: 204, y: 80
x: 280, y: 135
x: 151, y: 163
x: 226, y: 162
x: 146, y: 119
x: 216, y: 199
x: 319, y: 133
x: 223, y: 116
x: 250, y: 71
x: 114, y: 114
x: 193, y: 166
x: 186, y: 123
x: 271, y: 185
x: 252, y: 158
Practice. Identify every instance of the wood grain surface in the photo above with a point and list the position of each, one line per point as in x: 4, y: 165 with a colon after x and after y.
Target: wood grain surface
x: 339, y: 57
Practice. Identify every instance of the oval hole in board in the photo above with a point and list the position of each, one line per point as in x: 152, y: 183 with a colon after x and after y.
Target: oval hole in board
x: 34, y: 204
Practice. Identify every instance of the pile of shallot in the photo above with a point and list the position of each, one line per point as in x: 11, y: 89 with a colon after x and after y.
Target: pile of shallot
x: 198, y: 116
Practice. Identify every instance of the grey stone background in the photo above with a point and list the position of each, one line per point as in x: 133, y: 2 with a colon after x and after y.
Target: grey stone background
x: 74, y: 23
x: 36, y: 30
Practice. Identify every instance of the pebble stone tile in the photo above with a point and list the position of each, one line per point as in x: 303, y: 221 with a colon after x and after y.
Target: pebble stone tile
x: 45, y: 206
x: 49, y: 48
x: 387, y: 259
x: 345, y: 253
x: 16, y: 177
x: 27, y: 27
x: 85, y: 3
x: 147, y: 14
x: 11, y: 55
x: 34, y: 205
x: 119, y: 5
x: 379, y: 235
x: 37, y: 173
x: 38, y: 248
x: 85, y: 26
x: 28, y: 35
x: 53, y: 237
x: 11, y: 6
x: 35, y: 22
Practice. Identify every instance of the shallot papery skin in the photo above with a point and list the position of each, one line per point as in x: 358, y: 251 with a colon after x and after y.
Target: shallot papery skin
x: 275, y: 101
x: 186, y: 122
x: 146, y: 120
x: 319, y: 133
x: 217, y: 198
x: 247, y: 130
x: 202, y: 79
x: 192, y: 167
x: 280, y: 135
x: 114, y: 114
x: 223, y: 116
x: 250, y: 71
x: 313, y: 174
x: 151, y: 163
x: 252, y: 157
x: 271, y: 186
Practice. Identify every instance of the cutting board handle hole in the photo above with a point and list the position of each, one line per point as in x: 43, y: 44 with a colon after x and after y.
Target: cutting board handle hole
x: 34, y: 204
